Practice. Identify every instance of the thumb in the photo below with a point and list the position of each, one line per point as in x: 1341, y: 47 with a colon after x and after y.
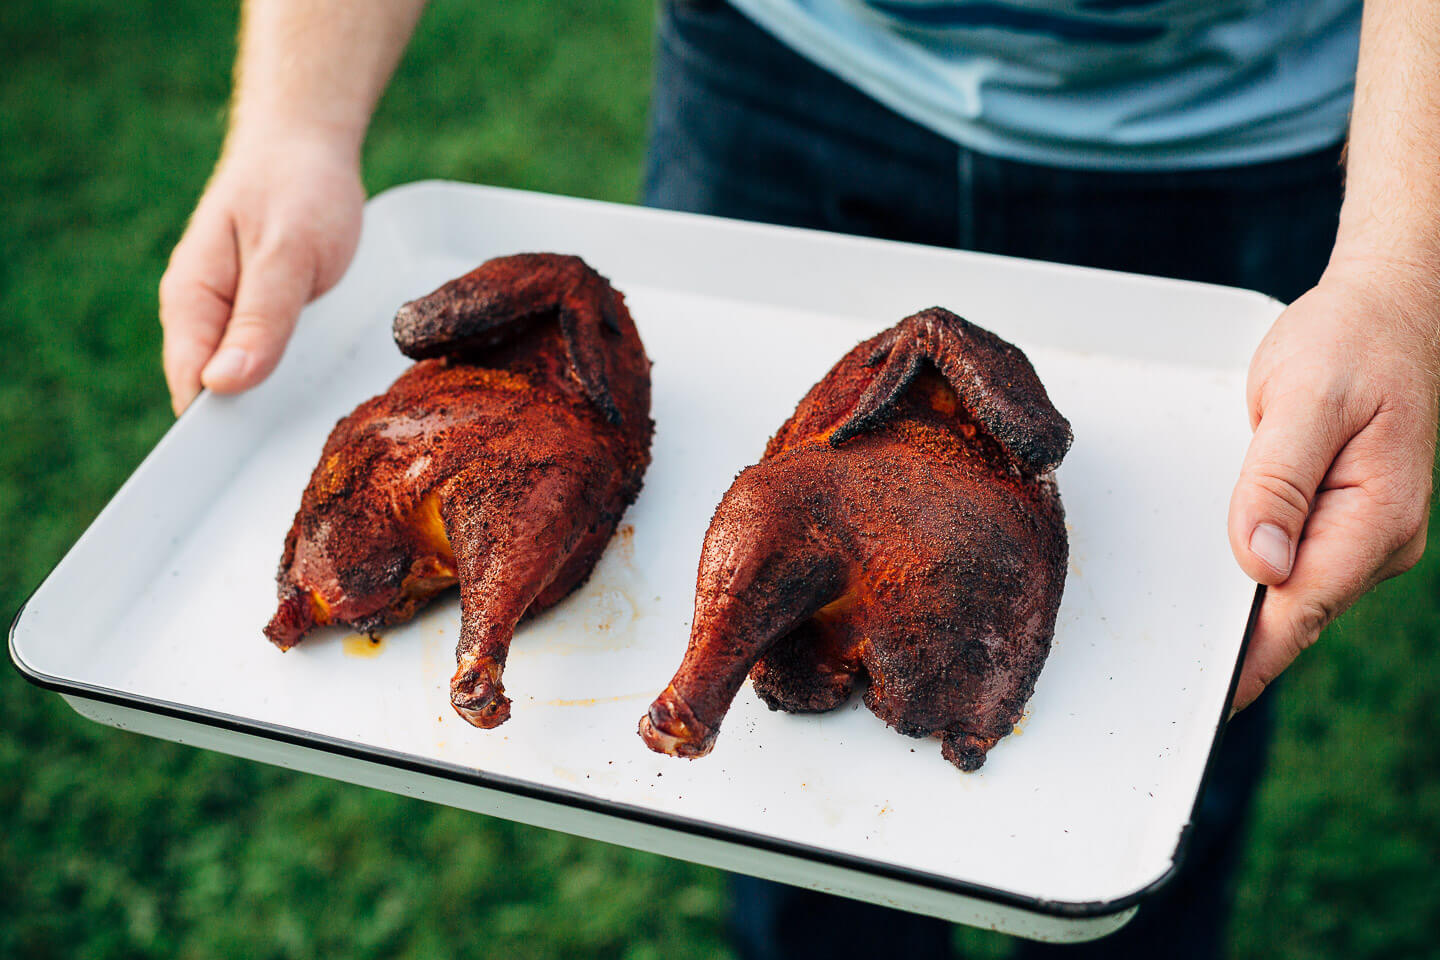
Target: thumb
x: 1296, y: 440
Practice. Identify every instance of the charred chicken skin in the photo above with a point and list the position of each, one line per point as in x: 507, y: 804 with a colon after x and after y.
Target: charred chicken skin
x: 903, y: 527
x: 503, y: 461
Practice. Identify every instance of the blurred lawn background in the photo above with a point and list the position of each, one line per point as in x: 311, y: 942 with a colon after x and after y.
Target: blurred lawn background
x: 111, y: 115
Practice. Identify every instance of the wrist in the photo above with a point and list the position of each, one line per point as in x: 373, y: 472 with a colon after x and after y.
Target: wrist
x: 1400, y: 237
x: 1411, y: 282
x: 1383, y: 300
x: 272, y: 133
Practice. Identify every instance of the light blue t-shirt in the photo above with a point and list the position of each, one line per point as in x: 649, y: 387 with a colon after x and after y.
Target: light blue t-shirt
x: 1115, y: 84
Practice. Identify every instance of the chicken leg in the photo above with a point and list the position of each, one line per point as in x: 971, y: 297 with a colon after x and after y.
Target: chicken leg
x: 503, y: 461
x: 903, y: 528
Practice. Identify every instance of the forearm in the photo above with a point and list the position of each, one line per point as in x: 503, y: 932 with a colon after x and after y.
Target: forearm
x: 316, y: 68
x: 1391, y: 213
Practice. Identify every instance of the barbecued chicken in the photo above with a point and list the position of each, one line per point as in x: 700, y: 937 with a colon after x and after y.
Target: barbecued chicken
x: 903, y: 527
x: 503, y: 460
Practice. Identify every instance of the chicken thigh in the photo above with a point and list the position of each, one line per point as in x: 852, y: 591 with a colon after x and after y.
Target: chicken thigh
x: 903, y: 528
x: 503, y: 461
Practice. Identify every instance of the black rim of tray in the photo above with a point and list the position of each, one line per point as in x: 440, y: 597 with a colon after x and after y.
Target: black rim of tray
x: 1064, y: 909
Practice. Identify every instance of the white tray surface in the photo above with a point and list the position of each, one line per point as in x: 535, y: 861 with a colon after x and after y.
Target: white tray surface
x: 1085, y: 802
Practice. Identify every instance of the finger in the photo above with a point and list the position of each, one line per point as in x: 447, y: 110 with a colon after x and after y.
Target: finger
x: 274, y: 285
x: 196, y: 293
x: 1345, y: 552
x: 1296, y: 440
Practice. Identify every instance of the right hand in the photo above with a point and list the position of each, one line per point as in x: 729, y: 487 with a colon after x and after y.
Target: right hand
x: 276, y: 227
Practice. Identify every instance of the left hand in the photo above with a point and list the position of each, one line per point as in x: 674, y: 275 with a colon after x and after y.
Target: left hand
x: 1334, y: 494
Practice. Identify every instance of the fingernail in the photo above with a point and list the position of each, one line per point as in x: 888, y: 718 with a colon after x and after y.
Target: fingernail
x: 1270, y: 544
x: 227, y: 365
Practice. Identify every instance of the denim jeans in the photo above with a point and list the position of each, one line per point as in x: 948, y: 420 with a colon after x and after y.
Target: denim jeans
x: 743, y: 127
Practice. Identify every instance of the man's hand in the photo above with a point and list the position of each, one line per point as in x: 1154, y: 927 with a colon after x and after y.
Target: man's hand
x: 1334, y: 494
x: 278, y: 223
x: 276, y: 228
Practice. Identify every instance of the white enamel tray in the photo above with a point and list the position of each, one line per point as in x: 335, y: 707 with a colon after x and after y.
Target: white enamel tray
x: 152, y: 621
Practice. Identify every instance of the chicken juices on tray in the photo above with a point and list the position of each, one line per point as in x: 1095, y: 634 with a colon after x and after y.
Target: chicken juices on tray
x: 503, y: 461
x: 903, y: 527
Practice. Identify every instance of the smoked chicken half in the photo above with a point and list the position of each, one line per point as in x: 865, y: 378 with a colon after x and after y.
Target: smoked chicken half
x: 502, y: 461
x: 903, y: 528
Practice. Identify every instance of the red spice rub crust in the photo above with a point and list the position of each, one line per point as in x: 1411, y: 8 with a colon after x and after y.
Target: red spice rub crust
x: 503, y: 463
x: 904, y: 528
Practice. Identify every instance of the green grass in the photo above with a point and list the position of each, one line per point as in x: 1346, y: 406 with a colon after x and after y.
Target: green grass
x: 113, y: 845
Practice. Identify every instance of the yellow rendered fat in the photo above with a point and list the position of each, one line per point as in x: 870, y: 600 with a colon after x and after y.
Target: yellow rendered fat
x: 319, y: 609
x: 360, y: 645
x: 428, y: 523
